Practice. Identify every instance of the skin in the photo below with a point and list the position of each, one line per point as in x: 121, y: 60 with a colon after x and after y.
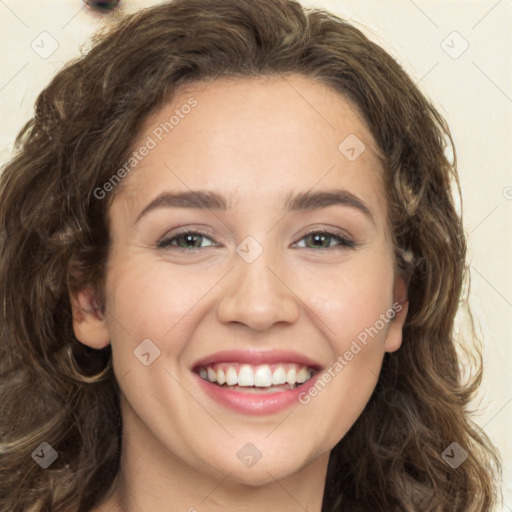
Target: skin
x: 253, y: 140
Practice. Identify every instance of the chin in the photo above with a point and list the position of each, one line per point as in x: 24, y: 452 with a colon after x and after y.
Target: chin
x: 265, y: 471
x: 264, y: 475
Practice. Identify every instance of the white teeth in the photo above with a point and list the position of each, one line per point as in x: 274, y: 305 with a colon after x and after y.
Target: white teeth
x: 263, y: 376
x: 279, y: 376
x: 302, y: 375
x: 260, y: 376
x: 231, y: 377
x: 212, y: 375
x: 291, y: 376
x: 221, y: 377
x: 246, y: 376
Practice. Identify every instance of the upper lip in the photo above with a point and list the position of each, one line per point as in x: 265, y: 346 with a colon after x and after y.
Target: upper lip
x: 257, y: 357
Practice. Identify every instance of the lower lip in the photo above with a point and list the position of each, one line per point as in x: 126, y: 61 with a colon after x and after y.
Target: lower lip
x: 255, y: 403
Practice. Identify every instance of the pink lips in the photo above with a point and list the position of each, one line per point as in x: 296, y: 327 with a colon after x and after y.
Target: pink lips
x: 255, y: 357
x: 255, y: 403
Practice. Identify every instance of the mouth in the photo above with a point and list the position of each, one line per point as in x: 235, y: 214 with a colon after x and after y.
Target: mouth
x: 256, y: 382
x: 264, y: 378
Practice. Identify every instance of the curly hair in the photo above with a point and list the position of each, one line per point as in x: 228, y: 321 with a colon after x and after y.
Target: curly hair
x: 54, y: 239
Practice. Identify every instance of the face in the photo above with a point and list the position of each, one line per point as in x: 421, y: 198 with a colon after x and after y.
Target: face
x: 280, y: 271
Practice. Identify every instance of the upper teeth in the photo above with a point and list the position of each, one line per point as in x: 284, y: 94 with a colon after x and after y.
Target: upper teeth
x: 263, y: 375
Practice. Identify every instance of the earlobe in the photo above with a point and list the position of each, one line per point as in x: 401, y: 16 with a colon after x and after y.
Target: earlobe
x: 89, y: 322
x: 400, y: 308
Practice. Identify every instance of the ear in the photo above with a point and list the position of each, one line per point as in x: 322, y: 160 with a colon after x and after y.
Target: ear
x: 400, y: 307
x: 89, y: 322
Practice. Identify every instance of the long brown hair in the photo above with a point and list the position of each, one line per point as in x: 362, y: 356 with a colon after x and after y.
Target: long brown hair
x: 55, y: 240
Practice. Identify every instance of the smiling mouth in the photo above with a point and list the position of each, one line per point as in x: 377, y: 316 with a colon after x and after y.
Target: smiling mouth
x: 248, y: 378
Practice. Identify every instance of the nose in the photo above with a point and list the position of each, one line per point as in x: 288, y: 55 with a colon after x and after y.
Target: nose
x: 258, y: 295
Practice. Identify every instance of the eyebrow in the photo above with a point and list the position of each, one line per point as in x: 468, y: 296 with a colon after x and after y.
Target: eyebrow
x: 208, y: 199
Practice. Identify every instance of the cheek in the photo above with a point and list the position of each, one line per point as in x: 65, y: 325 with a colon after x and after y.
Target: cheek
x: 151, y: 303
x: 149, y: 299
x: 354, y: 304
x: 346, y: 395
x: 352, y: 299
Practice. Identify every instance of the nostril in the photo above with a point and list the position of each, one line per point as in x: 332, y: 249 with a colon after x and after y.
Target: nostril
x: 102, y: 6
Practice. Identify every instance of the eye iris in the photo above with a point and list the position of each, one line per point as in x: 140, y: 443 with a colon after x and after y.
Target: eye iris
x: 320, y: 237
x: 189, y: 237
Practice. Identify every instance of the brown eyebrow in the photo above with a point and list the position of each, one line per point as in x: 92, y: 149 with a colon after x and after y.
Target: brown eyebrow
x: 324, y: 198
x: 208, y: 199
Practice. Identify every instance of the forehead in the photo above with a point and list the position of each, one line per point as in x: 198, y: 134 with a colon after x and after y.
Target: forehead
x: 256, y: 136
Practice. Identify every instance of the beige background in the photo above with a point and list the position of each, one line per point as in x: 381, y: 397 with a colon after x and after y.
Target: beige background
x: 471, y: 86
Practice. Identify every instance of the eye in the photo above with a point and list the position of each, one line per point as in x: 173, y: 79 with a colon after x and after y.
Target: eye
x: 321, y: 239
x: 186, y: 240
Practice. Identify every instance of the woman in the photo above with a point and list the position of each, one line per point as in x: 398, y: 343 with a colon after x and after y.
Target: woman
x: 230, y: 268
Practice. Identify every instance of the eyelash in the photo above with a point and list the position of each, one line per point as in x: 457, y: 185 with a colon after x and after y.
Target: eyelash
x: 344, y: 241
